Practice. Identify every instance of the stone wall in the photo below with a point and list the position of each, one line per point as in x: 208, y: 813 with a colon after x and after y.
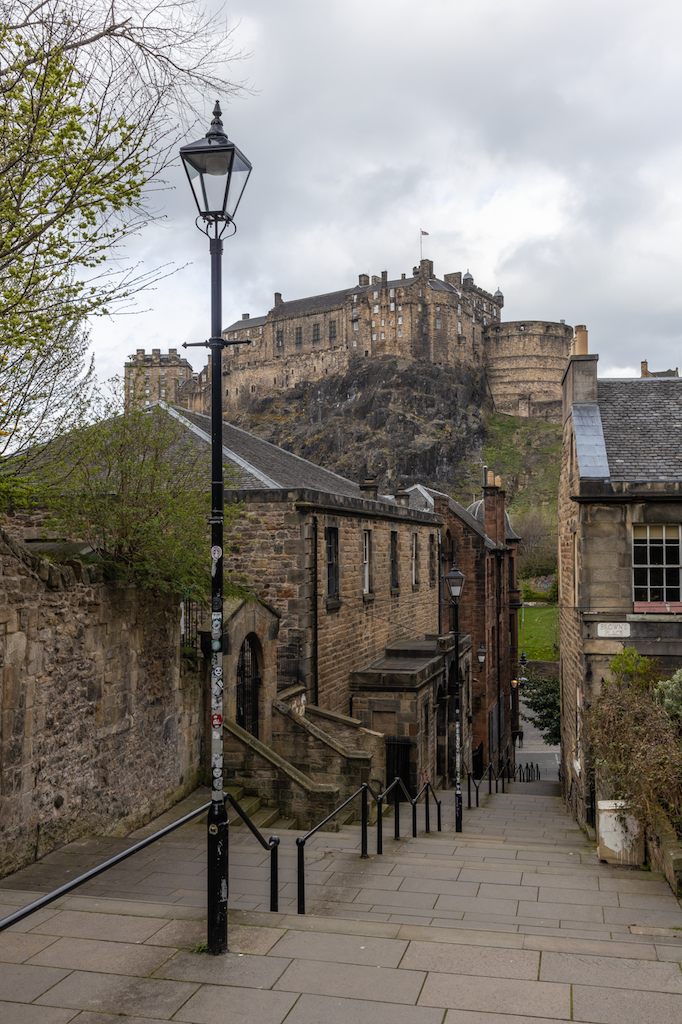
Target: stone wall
x: 101, y: 725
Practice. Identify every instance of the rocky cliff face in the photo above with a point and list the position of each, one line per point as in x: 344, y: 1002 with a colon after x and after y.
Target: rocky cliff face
x: 397, y: 421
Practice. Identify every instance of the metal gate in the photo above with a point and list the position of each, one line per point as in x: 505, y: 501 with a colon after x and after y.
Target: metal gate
x: 248, y: 682
x: 398, y: 762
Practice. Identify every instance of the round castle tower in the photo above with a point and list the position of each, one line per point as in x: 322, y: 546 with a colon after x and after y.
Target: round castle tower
x: 525, y: 362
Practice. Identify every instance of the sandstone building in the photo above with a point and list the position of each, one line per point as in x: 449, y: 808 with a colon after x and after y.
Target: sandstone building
x: 156, y: 377
x: 446, y: 322
x: 620, y: 510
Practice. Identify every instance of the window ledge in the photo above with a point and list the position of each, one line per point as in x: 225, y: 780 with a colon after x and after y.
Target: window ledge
x: 659, y: 607
x: 395, y: 591
x: 368, y: 598
x: 333, y: 604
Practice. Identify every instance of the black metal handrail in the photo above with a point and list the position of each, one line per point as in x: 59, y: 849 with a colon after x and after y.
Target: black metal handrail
x: 272, y: 845
x: 365, y: 789
x: 427, y: 818
x: 19, y: 915
x: 499, y: 776
x: 488, y: 770
x: 527, y: 773
x: 396, y: 813
x: 49, y: 897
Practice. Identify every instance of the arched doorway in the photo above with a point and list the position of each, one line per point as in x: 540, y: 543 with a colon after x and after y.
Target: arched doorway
x: 248, y: 681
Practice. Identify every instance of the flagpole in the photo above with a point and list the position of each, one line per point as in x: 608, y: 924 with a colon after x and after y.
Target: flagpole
x: 420, y: 245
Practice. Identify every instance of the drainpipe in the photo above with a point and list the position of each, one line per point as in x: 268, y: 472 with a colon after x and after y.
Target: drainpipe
x: 315, y: 630
x: 440, y: 587
x: 498, y: 602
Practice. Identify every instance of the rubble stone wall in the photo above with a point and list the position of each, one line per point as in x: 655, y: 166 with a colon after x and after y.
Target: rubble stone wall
x: 101, y: 725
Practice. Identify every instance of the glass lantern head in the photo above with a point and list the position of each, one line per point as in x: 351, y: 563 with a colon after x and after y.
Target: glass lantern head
x: 217, y: 172
x: 455, y: 582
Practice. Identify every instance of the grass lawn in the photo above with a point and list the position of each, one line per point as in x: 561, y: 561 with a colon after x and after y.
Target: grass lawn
x: 539, y: 632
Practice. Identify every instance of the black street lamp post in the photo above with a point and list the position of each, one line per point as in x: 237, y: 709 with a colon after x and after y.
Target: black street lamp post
x: 454, y: 581
x: 218, y: 173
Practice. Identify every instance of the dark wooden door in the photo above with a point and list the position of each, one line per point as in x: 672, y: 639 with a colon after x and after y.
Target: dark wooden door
x: 398, y: 763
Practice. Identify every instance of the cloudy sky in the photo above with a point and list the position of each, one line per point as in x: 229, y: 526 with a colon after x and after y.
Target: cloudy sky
x: 537, y: 141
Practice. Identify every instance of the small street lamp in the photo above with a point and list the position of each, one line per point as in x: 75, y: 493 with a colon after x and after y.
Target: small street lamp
x: 480, y: 654
x: 454, y: 581
x: 217, y: 173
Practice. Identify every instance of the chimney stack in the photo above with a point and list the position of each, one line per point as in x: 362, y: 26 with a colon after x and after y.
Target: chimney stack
x: 369, y: 489
x: 246, y: 316
x: 402, y: 498
x: 278, y: 299
x: 579, y: 382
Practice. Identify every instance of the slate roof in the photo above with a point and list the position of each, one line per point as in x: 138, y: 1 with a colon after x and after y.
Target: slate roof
x: 261, y: 465
x: 642, y: 424
x: 331, y: 300
x: 240, y: 325
x: 422, y: 498
x: 477, y: 511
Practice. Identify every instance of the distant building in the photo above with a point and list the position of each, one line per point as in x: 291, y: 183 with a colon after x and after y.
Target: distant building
x: 156, y: 377
x: 620, y: 540
x: 646, y: 372
x: 448, y: 322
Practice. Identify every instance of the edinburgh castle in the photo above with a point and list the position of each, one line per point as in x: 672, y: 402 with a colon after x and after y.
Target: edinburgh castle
x: 446, y: 322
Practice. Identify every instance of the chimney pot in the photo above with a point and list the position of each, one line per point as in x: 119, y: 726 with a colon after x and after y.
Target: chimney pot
x: 580, y: 345
x: 498, y: 481
x: 490, y: 481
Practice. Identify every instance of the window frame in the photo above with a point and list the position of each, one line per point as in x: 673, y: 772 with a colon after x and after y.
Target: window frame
x: 331, y: 540
x: 394, y: 560
x: 663, y: 563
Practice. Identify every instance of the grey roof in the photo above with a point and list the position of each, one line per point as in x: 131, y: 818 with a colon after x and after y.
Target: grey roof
x: 310, y: 305
x: 590, y: 448
x: 642, y: 423
x: 261, y: 465
x: 240, y: 325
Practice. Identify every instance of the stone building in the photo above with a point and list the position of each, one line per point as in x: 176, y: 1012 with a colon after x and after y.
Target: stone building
x: 481, y: 541
x: 448, y: 322
x: 156, y: 377
x: 620, y: 535
x: 354, y: 578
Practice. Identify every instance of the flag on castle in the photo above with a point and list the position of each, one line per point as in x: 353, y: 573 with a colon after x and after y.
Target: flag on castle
x: 424, y: 232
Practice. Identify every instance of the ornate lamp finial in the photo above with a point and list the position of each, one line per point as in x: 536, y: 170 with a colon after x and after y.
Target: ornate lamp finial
x: 216, y: 128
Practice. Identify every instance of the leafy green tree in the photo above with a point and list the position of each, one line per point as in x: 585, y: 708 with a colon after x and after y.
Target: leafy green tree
x: 90, y: 94
x: 136, y: 487
x: 669, y: 694
x: 542, y: 697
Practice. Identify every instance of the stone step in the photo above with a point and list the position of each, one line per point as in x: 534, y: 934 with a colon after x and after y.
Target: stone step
x: 283, y: 825
x: 236, y: 792
x: 249, y: 804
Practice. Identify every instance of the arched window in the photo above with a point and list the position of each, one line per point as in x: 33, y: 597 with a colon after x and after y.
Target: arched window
x: 248, y: 681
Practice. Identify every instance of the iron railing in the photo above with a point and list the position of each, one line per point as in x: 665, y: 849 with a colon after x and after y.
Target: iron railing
x: 63, y: 890
x: 488, y: 770
x: 364, y: 791
x: 527, y: 773
x: 272, y: 845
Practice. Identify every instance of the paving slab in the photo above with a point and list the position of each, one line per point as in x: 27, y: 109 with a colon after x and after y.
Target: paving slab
x: 486, y: 961
x: 113, y: 927
x: 533, y: 998
x: 16, y: 947
x: 241, y: 969
x: 611, y: 972
x: 20, y: 983
x: 214, y: 1004
x: 129, y: 958
x: 373, y: 983
x: 115, y: 993
x: 347, y: 949
x: 311, y: 1009
x: 18, y: 1013
x: 615, y: 1006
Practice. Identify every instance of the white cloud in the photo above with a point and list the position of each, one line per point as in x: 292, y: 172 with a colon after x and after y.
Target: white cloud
x: 536, y: 142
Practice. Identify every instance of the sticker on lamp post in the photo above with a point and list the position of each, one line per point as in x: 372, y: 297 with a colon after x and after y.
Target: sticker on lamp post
x: 216, y: 555
x: 216, y: 721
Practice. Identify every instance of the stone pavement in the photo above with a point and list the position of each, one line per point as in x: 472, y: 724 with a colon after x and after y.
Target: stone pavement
x: 536, y: 750
x: 514, y: 920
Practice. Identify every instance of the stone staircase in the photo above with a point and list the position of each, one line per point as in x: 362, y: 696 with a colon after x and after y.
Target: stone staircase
x: 262, y: 816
